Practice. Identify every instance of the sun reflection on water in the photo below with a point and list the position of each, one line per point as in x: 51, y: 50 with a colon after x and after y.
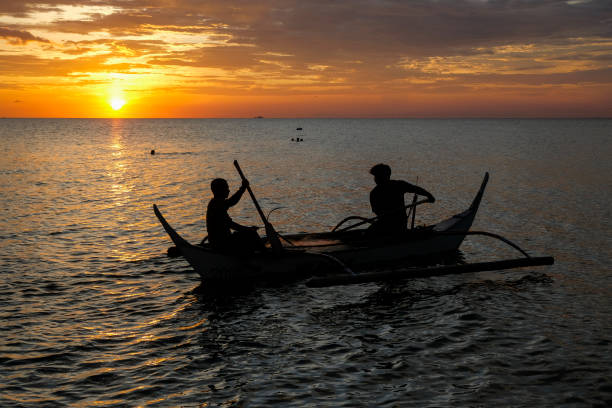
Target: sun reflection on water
x: 118, y: 170
x: 122, y: 193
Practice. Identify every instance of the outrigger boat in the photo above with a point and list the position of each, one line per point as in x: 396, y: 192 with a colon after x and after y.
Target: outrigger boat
x: 343, y: 255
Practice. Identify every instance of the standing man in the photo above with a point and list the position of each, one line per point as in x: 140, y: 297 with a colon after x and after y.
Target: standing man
x: 244, y: 240
x: 387, y: 201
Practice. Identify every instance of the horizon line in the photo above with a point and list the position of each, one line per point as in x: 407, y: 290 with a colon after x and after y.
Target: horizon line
x: 316, y: 117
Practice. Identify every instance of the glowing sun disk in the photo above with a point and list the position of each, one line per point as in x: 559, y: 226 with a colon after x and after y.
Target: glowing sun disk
x: 117, y: 103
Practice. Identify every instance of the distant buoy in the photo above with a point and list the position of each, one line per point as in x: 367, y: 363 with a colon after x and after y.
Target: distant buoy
x: 153, y: 151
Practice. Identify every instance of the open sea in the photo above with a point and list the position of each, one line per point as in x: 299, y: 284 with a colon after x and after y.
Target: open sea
x: 94, y: 314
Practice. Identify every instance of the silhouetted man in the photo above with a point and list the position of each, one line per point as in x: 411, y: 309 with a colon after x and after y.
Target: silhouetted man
x: 219, y: 224
x: 387, y: 201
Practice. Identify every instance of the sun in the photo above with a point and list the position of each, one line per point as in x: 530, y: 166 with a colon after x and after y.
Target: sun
x: 117, y: 103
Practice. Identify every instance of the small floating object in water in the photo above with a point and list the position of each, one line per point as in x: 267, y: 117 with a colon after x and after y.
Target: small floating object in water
x: 153, y: 151
x: 298, y: 129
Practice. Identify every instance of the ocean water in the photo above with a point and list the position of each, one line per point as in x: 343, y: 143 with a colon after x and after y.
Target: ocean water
x: 94, y: 314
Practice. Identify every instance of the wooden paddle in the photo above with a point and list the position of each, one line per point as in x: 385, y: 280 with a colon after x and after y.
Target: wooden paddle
x: 277, y: 247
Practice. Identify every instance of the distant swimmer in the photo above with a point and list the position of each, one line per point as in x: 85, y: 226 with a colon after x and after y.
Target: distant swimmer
x: 298, y: 129
x: 153, y: 151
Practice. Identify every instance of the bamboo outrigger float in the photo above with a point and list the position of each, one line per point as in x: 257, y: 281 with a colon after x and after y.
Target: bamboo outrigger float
x: 343, y: 256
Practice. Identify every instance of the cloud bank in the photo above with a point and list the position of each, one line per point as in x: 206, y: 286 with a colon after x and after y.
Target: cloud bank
x: 372, y: 48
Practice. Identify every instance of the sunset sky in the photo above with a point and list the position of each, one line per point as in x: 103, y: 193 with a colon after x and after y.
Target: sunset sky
x: 306, y: 58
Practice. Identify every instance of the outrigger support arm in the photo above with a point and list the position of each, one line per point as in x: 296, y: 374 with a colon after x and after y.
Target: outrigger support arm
x: 334, y: 260
x: 370, y: 220
x: 488, y: 234
x: 352, y: 217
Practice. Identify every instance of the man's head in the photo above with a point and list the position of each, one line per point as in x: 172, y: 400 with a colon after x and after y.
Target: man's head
x: 381, y: 173
x: 219, y: 188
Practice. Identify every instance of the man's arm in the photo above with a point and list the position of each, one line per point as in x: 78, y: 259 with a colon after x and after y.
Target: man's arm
x: 411, y: 188
x: 233, y: 200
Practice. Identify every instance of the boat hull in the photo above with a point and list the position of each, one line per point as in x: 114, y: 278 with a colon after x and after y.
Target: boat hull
x: 327, y: 253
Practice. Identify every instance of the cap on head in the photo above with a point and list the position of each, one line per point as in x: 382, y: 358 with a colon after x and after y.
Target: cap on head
x: 381, y: 171
x: 218, y: 185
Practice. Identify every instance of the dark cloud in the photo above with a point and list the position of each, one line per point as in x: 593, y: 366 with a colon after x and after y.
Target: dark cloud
x: 366, y: 44
x: 17, y: 36
x: 375, y: 29
x: 326, y: 29
x: 601, y: 76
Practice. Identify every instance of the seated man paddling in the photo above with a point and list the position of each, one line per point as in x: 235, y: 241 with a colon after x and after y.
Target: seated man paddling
x: 387, y: 201
x: 244, y: 240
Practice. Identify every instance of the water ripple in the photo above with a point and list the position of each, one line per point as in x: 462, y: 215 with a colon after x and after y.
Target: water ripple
x: 93, y: 314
